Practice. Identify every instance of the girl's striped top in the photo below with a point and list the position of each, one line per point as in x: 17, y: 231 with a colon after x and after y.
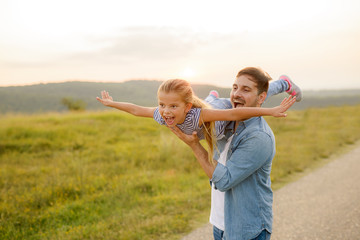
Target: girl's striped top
x: 191, y: 123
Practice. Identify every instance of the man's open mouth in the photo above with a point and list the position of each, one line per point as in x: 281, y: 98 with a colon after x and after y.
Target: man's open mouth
x: 238, y: 103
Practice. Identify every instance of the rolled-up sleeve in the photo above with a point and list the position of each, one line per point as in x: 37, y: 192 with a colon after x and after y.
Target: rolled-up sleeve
x: 245, y: 158
x: 219, y: 172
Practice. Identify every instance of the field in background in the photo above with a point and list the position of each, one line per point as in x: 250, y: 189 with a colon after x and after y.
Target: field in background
x: 307, y: 138
x: 42, y: 98
x: 113, y: 176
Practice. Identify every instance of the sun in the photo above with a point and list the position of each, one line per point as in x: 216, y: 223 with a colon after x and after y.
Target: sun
x: 187, y: 73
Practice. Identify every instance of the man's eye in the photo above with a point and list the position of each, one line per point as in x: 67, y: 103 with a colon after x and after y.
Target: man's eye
x: 173, y: 106
x: 161, y: 105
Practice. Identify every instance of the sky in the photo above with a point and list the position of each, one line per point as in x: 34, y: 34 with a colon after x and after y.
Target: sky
x: 315, y: 42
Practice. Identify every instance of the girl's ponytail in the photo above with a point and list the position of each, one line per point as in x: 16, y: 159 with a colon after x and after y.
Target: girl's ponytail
x: 209, y: 129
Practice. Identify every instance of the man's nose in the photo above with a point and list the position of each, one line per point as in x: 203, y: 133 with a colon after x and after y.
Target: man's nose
x: 237, y: 93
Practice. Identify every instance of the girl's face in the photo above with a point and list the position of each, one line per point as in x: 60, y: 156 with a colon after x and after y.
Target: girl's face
x: 172, y: 108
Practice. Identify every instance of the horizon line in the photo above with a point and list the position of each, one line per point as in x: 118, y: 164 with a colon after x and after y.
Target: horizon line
x: 147, y: 79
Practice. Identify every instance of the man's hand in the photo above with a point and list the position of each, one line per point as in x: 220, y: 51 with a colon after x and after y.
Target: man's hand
x: 105, y: 99
x: 199, y: 151
x: 190, y: 140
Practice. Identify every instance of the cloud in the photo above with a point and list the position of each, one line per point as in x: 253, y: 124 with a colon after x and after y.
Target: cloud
x: 152, y: 42
x: 145, y: 43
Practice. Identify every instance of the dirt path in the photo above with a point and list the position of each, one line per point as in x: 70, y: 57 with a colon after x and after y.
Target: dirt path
x: 324, y: 204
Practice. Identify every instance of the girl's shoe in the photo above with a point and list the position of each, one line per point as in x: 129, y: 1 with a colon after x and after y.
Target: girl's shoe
x: 214, y: 93
x: 294, y: 89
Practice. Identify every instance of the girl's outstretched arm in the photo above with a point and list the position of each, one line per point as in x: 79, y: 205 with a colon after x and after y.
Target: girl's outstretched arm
x: 133, y: 109
x: 236, y: 114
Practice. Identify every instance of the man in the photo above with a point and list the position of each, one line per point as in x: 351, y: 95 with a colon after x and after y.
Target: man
x: 242, y: 171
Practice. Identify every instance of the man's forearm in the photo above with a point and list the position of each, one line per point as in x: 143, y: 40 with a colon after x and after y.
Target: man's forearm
x: 199, y: 151
x: 202, y: 156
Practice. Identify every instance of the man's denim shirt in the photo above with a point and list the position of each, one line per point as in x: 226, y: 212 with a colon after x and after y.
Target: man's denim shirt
x: 246, y: 179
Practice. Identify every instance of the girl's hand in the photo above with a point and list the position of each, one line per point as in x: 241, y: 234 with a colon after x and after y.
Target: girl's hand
x: 106, y: 99
x: 279, y: 111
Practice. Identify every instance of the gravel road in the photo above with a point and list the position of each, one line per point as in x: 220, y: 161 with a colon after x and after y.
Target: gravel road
x: 324, y: 204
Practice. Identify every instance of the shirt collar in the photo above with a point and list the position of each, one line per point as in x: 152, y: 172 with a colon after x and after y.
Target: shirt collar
x: 249, y: 121
x: 244, y: 124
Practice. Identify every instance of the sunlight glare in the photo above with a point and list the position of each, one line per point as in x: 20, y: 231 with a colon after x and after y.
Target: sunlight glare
x: 187, y: 73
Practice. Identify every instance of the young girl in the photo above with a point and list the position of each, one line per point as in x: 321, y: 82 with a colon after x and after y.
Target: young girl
x: 179, y: 106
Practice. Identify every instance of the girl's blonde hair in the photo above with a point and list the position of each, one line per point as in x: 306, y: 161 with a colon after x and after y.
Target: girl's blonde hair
x: 185, y: 91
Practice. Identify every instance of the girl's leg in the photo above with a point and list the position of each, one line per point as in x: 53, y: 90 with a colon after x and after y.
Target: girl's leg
x: 276, y: 87
x: 216, y: 102
x: 293, y: 89
x: 284, y: 84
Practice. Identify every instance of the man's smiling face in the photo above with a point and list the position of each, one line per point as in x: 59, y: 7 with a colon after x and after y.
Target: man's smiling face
x: 244, y: 93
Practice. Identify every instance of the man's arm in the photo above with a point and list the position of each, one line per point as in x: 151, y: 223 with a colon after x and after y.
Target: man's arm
x: 247, y: 157
x: 199, y: 151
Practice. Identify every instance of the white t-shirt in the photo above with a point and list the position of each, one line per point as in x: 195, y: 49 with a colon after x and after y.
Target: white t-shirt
x: 217, y: 198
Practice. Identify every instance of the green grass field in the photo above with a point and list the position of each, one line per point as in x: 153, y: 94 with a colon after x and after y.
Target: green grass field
x: 113, y: 176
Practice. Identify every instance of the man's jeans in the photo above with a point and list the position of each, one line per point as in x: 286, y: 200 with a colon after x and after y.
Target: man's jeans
x: 264, y: 235
x: 218, y: 234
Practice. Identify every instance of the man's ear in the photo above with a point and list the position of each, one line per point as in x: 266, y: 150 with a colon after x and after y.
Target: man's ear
x: 261, y: 98
x: 188, y: 107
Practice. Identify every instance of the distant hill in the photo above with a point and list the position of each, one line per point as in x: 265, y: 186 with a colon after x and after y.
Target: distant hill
x: 47, y: 97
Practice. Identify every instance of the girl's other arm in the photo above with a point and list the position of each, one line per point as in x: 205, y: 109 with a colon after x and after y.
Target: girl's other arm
x: 235, y: 114
x: 133, y: 109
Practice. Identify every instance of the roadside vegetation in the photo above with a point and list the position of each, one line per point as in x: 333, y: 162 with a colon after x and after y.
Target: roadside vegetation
x: 108, y: 175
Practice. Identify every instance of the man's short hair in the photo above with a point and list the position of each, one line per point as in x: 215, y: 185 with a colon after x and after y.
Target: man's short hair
x: 257, y: 75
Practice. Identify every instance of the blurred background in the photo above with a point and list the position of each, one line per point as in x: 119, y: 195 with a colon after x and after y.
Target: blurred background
x: 88, y: 173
